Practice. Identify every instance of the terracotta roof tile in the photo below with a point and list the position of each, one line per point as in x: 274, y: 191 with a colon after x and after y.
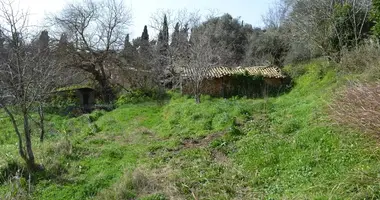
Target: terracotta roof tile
x: 218, y: 72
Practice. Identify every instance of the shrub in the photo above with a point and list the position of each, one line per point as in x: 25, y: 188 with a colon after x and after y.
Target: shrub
x: 129, y: 98
x: 358, y: 106
x: 141, y: 95
x: 319, y: 66
x: 295, y: 71
x: 63, y: 102
x: 300, y: 52
x: 364, y: 59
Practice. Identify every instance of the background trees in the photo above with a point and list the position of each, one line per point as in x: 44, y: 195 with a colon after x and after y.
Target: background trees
x: 228, y: 33
x: 375, y: 16
x: 327, y: 27
x: 173, y: 27
x: 97, y: 31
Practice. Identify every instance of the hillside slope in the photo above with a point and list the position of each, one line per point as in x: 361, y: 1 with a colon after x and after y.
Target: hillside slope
x: 275, y: 148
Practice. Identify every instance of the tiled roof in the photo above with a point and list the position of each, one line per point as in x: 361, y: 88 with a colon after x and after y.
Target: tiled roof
x: 218, y: 72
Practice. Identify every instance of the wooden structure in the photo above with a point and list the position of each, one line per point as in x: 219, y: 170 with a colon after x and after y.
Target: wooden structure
x: 240, y: 81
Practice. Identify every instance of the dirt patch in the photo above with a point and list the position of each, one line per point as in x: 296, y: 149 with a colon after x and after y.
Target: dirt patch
x: 201, y: 142
x: 145, y: 131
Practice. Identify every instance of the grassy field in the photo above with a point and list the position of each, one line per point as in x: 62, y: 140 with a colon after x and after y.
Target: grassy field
x: 275, y: 148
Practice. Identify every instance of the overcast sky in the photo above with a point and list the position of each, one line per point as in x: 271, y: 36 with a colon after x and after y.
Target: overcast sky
x: 250, y: 11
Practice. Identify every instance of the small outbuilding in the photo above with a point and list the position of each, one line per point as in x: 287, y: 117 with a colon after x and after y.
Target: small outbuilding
x: 239, y: 81
x: 83, y: 96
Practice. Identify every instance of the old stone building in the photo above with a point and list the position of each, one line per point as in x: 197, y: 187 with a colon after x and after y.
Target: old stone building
x: 240, y: 81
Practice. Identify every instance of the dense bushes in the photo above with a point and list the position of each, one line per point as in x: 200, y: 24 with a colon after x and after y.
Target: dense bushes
x: 361, y: 63
x: 364, y: 59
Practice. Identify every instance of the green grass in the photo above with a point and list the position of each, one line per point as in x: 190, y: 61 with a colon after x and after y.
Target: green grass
x: 276, y: 148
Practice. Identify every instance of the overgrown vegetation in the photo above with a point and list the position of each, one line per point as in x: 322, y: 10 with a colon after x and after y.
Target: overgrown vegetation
x: 284, y: 147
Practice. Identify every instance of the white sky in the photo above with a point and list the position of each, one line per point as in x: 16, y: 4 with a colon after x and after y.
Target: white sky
x: 250, y: 11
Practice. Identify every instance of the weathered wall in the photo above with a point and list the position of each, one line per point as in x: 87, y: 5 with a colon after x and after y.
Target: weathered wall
x: 229, y: 86
x: 212, y: 87
x: 276, y: 82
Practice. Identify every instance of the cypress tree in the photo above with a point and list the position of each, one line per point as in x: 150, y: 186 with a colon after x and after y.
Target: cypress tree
x: 175, y: 36
x: 43, y: 41
x: 145, y: 35
x: 126, y: 42
x: 165, y: 30
x: 130, y: 52
x: 128, y: 47
x: 145, y: 52
x: 145, y: 39
x: 163, y: 43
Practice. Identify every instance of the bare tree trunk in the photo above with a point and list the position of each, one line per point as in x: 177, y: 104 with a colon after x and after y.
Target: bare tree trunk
x: 106, y: 90
x: 197, y: 98
x: 28, y: 142
x: 105, y: 87
x: 42, y: 125
x: 197, y: 93
x: 20, y: 146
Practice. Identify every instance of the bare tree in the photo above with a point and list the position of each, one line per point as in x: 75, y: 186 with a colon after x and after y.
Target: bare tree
x: 26, y: 76
x: 359, y: 15
x: 97, y: 31
x: 166, y: 55
x: 202, y: 57
x: 276, y: 15
x: 183, y: 17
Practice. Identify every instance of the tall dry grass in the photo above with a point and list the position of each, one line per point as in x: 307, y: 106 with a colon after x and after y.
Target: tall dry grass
x: 358, y: 106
